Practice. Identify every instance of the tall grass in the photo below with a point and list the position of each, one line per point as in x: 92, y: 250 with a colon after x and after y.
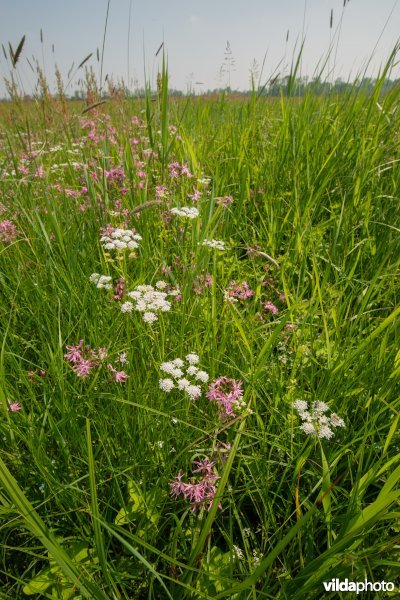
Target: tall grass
x: 86, y: 464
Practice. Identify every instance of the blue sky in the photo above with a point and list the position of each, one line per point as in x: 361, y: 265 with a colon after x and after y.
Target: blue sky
x: 195, y: 35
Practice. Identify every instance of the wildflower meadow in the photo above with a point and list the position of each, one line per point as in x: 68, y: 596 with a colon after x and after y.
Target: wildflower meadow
x: 199, y: 364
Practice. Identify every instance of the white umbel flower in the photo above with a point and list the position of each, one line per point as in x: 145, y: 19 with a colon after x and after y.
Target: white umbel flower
x: 194, y: 391
x: 315, y: 422
x: 190, y: 382
x: 101, y: 281
x: 120, y: 239
x: 190, y: 212
x: 150, y: 301
x: 166, y: 385
x: 183, y: 383
x: 178, y: 362
x: 149, y: 317
x: 192, y: 370
x: 202, y: 376
x: 192, y: 358
x: 167, y: 367
x: 215, y: 244
x: 127, y: 307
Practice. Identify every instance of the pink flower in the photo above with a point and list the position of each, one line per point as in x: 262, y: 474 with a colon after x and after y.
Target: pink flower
x: 195, y: 197
x: 200, y: 493
x: 84, y: 359
x: 71, y: 193
x: 205, y: 467
x: 185, y: 170
x: 238, y: 291
x: 75, y: 353
x: 8, y: 231
x: 224, y: 201
x: 82, y: 368
x: 119, y: 376
x: 119, y: 289
x: 253, y: 250
x: 271, y: 307
x: 13, y: 406
x: 137, y: 121
x: 228, y: 394
x: 201, y: 282
x: 39, y: 173
x: 177, y: 170
x: 114, y: 174
x: 107, y: 230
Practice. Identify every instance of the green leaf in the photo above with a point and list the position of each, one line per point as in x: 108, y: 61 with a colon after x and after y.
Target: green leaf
x: 216, y: 572
x: 40, y: 583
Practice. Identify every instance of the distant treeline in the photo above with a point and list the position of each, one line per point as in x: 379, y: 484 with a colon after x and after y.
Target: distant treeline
x: 285, y: 86
x: 279, y: 86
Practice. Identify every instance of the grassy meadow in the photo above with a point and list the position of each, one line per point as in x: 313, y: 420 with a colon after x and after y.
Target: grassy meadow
x: 199, y: 366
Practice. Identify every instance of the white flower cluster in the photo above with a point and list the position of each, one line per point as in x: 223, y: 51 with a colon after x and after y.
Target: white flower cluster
x: 215, y: 244
x: 101, y: 281
x: 185, y: 211
x: 238, y: 552
x: 187, y: 377
x: 204, y: 181
x: 121, y: 239
x: 315, y: 421
x: 149, y: 300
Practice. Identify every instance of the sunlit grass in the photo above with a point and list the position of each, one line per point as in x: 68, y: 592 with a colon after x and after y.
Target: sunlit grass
x: 86, y: 464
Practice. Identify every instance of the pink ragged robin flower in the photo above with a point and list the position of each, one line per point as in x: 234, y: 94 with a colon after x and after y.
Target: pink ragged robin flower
x: 119, y: 376
x: 13, y: 406
x: 201, y: 282
x: 224, y: 201
x: 238, y: 291
x: 82, y: 367
x: 119, y: 289
x: 166, y: 270
x: 161, y: 192
x: 8, y: 231
x: 200, y: 493
x: 84, y: 359
x: 177, y: 170
x: 270, y: 307
x: 228, y: 394
x: 75, y: 353
x: 205, y: 467
x: 195, y: 197
x: 114, y: 174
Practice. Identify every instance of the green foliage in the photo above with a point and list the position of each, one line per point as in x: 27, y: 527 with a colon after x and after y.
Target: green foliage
x: 53, y: 579
x: 87, y: 463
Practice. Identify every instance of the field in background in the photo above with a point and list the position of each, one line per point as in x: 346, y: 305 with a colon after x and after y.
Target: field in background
x: 263, y: 461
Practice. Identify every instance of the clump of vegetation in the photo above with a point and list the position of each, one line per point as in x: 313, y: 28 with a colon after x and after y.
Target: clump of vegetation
x: 256, y: 241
